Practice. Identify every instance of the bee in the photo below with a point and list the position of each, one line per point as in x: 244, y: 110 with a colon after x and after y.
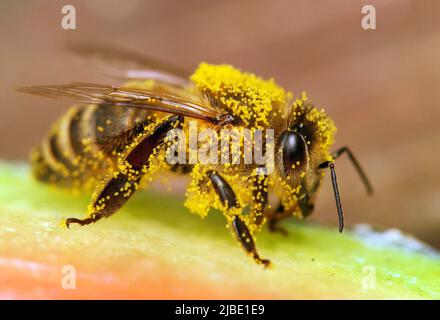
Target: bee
x: 115, y: 140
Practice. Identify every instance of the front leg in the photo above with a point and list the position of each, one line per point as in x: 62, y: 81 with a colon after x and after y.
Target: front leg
x: 123, y: 184
x: 274, y: 218
x: 304, y: 204
x: 239, y: 227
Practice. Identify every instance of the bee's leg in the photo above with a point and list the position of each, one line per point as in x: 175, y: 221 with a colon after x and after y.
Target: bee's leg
x: 239, y: 227
x: 306, y: 206
x: 122, y: 185
x: 223, y: 189
x: 259, y: 199
x: 274, y: 219
x: 246, y: 239
x: 111, y: 197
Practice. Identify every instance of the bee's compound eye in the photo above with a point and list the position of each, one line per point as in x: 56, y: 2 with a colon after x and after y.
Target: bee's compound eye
x: 294, y: 150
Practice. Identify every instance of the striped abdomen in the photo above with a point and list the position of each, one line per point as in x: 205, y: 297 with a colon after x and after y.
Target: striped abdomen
x: 81, y: 147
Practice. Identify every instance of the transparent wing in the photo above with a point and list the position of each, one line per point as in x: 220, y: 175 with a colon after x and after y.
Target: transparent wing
x: 125, y: 64
x: 89, y: 93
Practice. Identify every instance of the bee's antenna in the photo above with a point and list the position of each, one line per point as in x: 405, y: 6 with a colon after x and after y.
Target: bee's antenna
x: 337, y: 197
x: 360, y: 171
x: 357, y: 166
x: 329, y: 164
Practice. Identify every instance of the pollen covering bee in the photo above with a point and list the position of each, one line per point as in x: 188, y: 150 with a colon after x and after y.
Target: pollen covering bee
x: 115, y: 141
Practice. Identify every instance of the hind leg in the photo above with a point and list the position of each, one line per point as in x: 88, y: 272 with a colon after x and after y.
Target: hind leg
x: 110, y: 199
x: 118, y: 190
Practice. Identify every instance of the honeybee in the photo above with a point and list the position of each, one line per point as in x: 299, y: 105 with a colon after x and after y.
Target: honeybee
x: 115, y: 140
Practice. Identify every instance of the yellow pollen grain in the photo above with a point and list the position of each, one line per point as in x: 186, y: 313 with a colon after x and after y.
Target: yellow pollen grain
x: 244, y: 94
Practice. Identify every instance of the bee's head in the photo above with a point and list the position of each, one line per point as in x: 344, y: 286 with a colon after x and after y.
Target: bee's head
x: 306, y: 140
x: 293, y: 149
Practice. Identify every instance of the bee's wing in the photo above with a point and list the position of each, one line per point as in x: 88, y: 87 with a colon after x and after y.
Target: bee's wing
x: 88, y: 93
x: 129, y: 65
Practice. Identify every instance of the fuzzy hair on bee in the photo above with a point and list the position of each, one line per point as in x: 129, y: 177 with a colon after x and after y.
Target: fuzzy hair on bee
x: 115, y: 140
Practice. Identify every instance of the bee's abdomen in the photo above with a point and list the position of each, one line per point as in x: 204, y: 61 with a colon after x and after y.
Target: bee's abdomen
x: 78, y: 149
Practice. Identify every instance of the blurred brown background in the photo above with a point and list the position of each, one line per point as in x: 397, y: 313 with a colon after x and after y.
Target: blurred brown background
x: 380, y: 86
